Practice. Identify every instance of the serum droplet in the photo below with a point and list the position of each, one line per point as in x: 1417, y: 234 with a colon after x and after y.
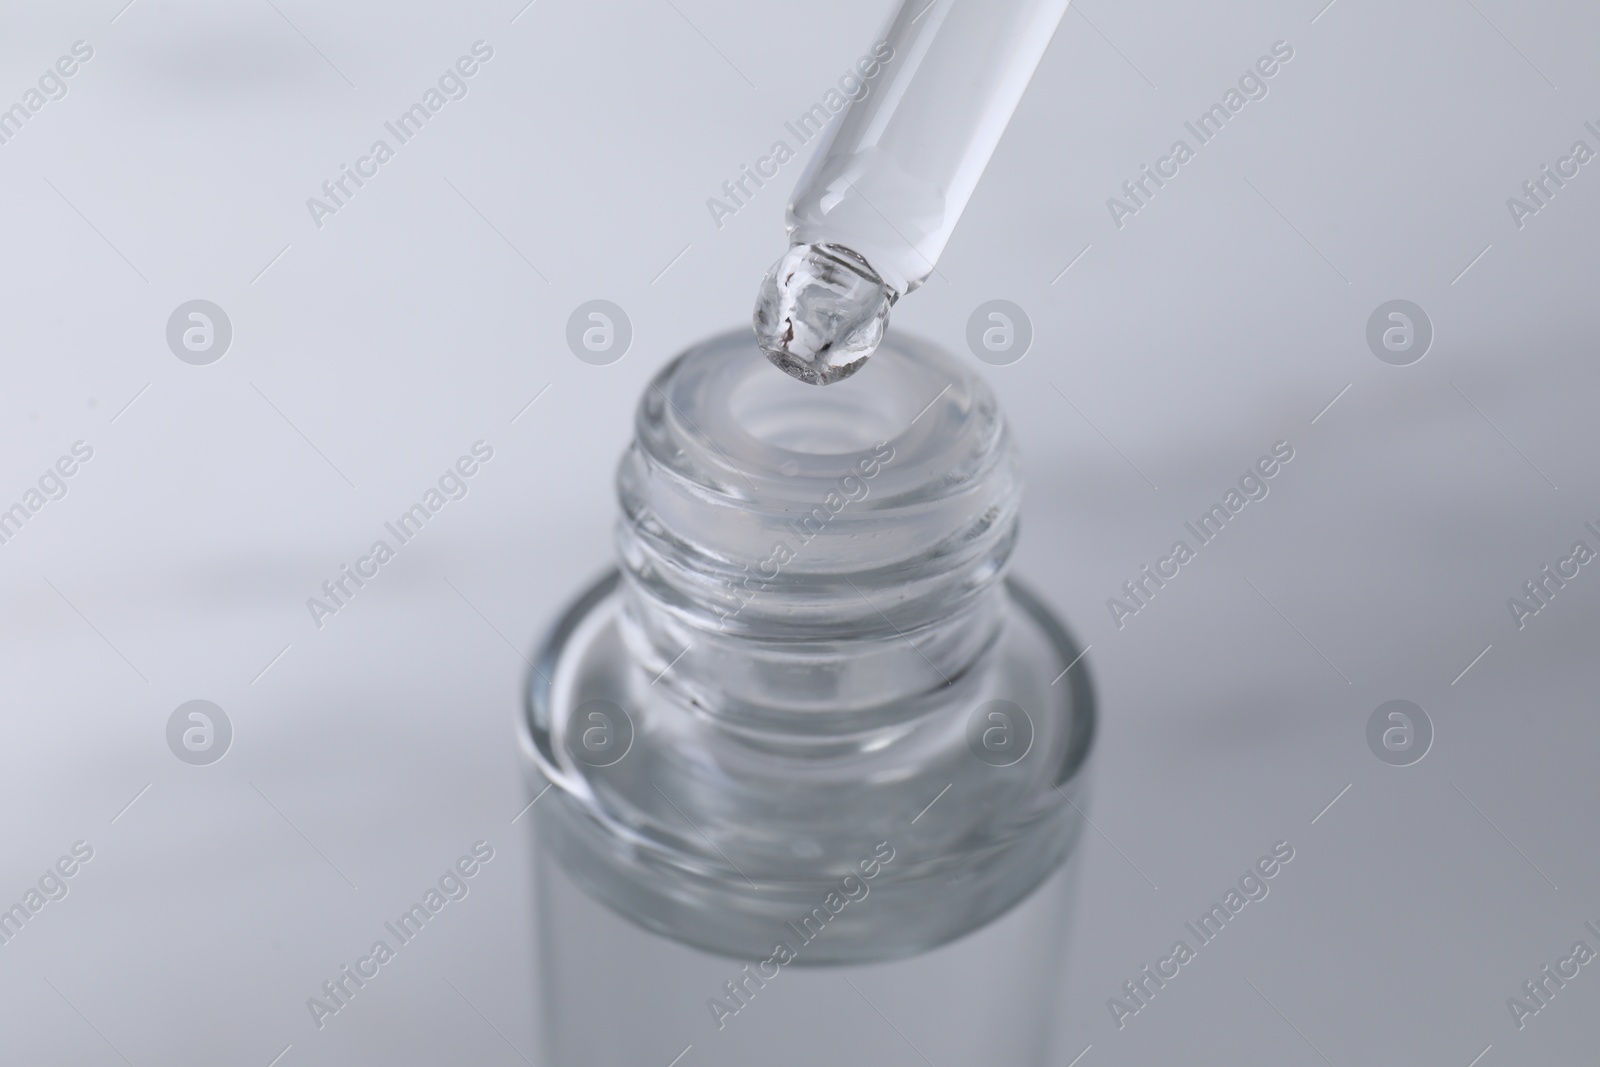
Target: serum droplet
x: 821, y: 313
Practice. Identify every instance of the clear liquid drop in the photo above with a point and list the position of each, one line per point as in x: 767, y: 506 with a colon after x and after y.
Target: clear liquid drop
x: 821, y: 313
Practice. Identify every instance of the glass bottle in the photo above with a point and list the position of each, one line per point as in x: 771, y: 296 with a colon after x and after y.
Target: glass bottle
x: 815, y: 762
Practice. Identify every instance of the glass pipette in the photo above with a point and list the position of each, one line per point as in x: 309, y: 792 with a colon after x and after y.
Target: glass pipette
x: 878, y: 200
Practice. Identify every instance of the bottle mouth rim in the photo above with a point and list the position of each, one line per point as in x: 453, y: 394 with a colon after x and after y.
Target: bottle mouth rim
x: 721, y: 420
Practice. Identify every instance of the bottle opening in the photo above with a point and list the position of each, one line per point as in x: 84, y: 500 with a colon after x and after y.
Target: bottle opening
x: 850, y: 417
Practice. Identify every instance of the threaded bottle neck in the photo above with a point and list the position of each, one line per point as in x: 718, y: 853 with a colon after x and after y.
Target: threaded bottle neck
x: 833, y: 552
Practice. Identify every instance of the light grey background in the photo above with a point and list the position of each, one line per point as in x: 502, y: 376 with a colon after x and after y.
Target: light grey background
x: 370, y: 353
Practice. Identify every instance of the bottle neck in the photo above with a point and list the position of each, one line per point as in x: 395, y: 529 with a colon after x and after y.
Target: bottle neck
x: 817, y: 561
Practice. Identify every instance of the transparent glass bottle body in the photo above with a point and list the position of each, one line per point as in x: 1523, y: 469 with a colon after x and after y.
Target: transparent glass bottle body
x: 810, y: 751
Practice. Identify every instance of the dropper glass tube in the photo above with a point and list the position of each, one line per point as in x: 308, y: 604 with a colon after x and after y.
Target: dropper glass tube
x: 888, y: 182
